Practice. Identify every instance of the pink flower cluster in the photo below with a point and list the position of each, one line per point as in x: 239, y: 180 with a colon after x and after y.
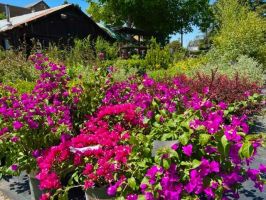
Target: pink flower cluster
x: 47, y: 110
x: 99, y: 152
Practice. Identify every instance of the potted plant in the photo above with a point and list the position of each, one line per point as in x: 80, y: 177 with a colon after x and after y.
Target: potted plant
x: 96, y: 158
x: 210, y: 160
x: 31, y: 122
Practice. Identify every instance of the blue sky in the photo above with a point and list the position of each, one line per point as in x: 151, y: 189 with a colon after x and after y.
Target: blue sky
x: 83, y: 4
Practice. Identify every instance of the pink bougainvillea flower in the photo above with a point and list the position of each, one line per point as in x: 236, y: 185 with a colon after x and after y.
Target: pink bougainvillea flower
x: 17, y: 125
x: 45, y: 196
x: 15, y: 139
x: 187, y: 150
x: 262, y: 168
x: 132, y: 197
x: 175, y: 146
x: 14, y: 167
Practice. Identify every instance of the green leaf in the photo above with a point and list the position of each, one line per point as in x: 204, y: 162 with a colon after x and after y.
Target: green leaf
x: 166, y: 163
x: 141, y: 197
x: 224, y: 146
x: 204, y: 139
x: 195, y: 163
x: 185, y: 163
x: 158, y: 118
x: 132, y: 183
x: 246, y: 150
x: 184, y: 138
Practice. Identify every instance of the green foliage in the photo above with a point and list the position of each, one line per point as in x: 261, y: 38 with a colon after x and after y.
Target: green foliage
x: 14, y: 66
x: 244, y: 66
x: 22, y: 86
x: 110, y: 50
x: 126, y: 68
x: 177, y: 51
x: 157, y: 16
x: 2, y: 16
x: 157, y: 57
x: 94, y: 82
x: 185, y: 66
x: 80, y: 54
x: 241, y: 31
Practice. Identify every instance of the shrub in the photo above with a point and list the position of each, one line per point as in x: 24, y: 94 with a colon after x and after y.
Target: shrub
x: 208, y: 160
x: 22, y: 86
x: 186, y: 66
x: 81, y: 53
x: 110, y: 51
x: 14, y: 66
x: 103, y: 162
x: 221, y: 88
x: 126, y: 68
x: 244, y: 67
x: 242, y: 32
x: 36, y: 120
x: 157, y: 58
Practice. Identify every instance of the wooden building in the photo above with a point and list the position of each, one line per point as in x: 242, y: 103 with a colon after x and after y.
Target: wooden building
x: 59, y: 25
x: 17, y: 11
x: 37, y: 6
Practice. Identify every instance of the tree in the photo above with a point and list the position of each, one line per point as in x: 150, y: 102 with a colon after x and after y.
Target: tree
x: 258, y: 6
x: 163, y: 17
x: 65, y: 2
x: 240, y: 31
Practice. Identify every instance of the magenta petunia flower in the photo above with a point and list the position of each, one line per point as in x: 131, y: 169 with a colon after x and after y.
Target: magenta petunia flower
x: 187, y: 150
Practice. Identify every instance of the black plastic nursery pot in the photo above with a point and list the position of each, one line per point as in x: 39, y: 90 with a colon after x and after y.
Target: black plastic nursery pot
x: 34, y: 183
x: 97, y: 193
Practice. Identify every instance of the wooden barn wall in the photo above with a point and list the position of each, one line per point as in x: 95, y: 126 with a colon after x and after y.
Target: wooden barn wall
x: 55, y: 29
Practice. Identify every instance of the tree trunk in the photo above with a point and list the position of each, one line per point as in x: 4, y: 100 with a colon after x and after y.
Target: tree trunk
x: 182, y: 34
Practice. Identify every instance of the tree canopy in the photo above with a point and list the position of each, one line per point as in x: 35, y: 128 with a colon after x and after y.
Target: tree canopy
x: 241, y: 32
x: 156, y: 16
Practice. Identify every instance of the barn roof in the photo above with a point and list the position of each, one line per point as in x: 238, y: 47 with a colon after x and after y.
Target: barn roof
x: 19, y: 20
x: 35, y: 3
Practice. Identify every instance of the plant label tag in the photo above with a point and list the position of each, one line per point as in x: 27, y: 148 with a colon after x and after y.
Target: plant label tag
x: 82, y: 150
x: 157, y: 144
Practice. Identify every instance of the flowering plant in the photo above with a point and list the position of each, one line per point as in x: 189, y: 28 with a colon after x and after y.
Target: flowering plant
x: 96, y: 157
x: 211, y: 138
x: 31, y: 122
x: 211, y: 159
